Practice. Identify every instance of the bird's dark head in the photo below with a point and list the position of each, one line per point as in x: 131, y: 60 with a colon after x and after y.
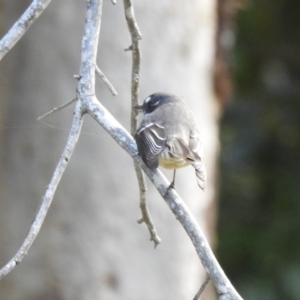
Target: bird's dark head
x: 152, y: 102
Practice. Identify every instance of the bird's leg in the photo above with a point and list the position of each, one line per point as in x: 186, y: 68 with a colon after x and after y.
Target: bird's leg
x: 172, y: 185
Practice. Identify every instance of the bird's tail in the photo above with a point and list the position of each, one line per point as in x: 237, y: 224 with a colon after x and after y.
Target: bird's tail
x: 201, y: 174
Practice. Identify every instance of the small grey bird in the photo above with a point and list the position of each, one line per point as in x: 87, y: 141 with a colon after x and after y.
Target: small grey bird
x: 169, y: 136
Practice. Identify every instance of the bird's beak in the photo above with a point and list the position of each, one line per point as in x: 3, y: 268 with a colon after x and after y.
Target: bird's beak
x: 138, y: 107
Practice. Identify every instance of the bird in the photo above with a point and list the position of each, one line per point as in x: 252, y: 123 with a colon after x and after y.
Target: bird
x: 169, y: 136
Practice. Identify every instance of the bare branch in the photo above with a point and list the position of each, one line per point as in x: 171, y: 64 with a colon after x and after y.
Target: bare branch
x: 131, y: 22
x: 136, y: 61
x: 89, y: 47
x: 50, y: 191
x: 135, y: 75
x: 86, y: 86
x: 146, y: 217
x: 106, y: 81
x: 55, y: 109
x: 22, y: 25
x: 202, y: 288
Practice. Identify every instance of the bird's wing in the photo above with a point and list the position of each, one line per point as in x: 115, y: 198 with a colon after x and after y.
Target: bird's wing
x: 178, y: 148
x: 196, y: 146
x: 151, y: 141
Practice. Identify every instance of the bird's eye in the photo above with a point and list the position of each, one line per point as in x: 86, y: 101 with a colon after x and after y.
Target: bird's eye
x: 147, y: 99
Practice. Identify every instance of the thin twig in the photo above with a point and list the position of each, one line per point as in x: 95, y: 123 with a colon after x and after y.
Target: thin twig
x: 146, y: 217
x: 50, y: 191
x: 106, y: 81
x: 22, y: 25
x: 55, y: 109
x: 131, y: 22
x: 129, y: 48
x: 202, y: 288
x: 135, y: 75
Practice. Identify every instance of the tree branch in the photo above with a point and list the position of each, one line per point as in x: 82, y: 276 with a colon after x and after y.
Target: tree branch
x: 89, y: 48
x: 50, y: 191
x: 86, y: 86
x: 22, y: 25
x: 106, y: 81
x: 135, y: 79
x: 55, y: 109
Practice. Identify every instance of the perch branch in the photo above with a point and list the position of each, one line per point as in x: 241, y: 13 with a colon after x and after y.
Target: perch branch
x: 225, y: 289
x: 50, y: 191
x: 55, y: 109
x: 22, y: 25
x: 135, y: 77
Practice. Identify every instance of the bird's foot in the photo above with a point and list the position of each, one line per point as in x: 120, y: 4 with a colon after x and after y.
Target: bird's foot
x: 172, y: 186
